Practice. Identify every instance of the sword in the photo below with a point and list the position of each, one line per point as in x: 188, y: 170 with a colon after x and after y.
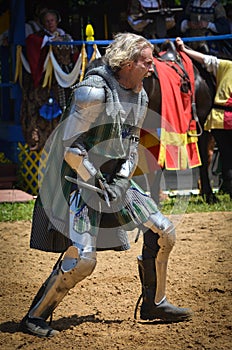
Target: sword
x: 90, y: 187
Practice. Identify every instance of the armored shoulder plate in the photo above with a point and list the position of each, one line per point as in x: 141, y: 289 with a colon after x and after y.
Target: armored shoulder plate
x: 87, y: 96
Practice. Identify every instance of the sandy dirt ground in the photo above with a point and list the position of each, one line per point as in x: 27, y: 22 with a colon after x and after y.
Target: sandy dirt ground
x: 99, y: 312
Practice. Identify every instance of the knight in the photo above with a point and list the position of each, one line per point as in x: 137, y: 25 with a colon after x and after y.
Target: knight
x: 97, y: 142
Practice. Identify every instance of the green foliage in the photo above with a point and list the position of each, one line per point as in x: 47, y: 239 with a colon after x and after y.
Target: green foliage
x: 175, y: 205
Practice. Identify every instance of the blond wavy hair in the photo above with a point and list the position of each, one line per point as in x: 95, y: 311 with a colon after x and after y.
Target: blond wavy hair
x: 124, y: 48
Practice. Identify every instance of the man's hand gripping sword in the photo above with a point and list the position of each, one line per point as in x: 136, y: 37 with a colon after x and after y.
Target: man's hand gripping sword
x: 83, y: 184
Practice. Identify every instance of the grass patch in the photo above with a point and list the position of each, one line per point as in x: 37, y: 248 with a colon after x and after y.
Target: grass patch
x: 16, y: 211
x: 195, y: 204
x: 175, y: 205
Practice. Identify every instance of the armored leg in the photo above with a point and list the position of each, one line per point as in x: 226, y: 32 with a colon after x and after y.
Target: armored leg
x: 153, y: 272
x: 74, y: 267
x: 160, y: 225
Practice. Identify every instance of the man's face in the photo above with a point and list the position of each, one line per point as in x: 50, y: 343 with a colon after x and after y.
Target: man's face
x: 144, y: 66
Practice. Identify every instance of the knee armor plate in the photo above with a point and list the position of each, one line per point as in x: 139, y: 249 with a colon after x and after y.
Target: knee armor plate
x: 71, y: 270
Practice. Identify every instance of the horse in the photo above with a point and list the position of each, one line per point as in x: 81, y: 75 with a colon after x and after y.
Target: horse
x: 204, y: 97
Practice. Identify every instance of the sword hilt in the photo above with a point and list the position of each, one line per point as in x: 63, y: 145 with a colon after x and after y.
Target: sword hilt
x: 105, y: 193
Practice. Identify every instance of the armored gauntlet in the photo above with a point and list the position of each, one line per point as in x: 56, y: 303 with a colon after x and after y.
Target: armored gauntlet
x: 77, y: 159
x: 117, y: 189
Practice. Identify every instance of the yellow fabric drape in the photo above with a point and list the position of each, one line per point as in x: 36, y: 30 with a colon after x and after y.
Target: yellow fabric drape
x: 180, y: 141
x: 18, y: 66
x: 49, y: 67
x: 93, y: 57
x: 84, y: 61
x: 49, y: 71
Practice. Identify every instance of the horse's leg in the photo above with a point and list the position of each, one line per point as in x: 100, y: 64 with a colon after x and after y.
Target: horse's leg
x: 206, y: 190
x: 224, y: 143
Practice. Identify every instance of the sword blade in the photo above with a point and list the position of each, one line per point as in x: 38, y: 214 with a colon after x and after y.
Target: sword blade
x: 89, y: 187
x: 84, y: 184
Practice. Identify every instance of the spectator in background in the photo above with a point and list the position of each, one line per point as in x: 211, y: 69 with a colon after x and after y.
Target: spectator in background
x: 42, y: 106
x: 31, y: 27
x: 204, y: 18
x: 150, y: 26
x: 34, y: 25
